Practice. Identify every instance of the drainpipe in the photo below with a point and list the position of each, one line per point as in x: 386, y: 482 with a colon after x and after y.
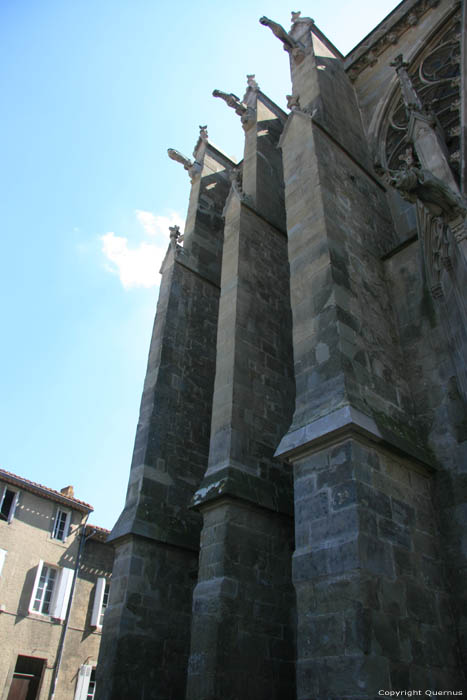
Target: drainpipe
x: 61, y: 643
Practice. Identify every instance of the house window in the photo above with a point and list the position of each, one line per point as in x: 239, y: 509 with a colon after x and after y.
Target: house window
x: 51, y: 591
x: 101, y: 599
x: 8, y: 501
x: 44, y: 590
x: 92, y: 686
x: 61, y: 525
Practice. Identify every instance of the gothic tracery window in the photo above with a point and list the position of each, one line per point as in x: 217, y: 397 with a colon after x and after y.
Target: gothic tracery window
x: 436, y: 78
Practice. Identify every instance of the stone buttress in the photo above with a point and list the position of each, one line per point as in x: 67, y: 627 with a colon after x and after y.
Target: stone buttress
x: 146, y: 639
x: 242, y: 641
x: 364, y: 519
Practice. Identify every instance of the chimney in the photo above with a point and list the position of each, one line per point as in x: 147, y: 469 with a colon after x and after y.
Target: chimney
x: 68, y: 491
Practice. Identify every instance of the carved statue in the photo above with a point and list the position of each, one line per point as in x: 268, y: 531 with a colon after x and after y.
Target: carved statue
x: 295, y: 16
x: 203, y: 132
x: 232, y: 101
x: 281, y: 34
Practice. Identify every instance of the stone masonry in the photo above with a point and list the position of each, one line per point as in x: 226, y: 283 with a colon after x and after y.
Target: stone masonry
x: 297, y: 507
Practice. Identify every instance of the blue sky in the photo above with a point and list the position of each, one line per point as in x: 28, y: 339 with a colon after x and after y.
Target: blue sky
x: 94, y: 92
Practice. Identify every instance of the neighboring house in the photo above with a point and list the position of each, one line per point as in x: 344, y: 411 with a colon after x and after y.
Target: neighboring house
x: 55, y: 573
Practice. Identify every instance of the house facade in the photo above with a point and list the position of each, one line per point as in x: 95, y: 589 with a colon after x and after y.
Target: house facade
x: 55, y: 571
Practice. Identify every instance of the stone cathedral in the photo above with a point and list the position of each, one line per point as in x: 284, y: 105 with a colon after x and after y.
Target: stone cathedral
x: 295, y: 526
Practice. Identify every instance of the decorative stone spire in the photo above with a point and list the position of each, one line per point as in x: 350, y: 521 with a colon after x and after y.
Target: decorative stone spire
x: 409, y: 94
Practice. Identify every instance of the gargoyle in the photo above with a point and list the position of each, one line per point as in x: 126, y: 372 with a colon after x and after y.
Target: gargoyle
x: 193, y: 167
x: 232, y: 101
x: 438, y: 198
x: 180, y: 158
x: 282, y: 35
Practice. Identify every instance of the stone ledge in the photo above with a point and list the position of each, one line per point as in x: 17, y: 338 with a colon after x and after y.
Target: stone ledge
x: 347, y: 421
x: 232, y: 482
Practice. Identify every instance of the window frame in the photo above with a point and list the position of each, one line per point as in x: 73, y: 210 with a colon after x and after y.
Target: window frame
x: 11, y: 513
x: 56, y: 524
x: 39, y: 575
x: 60, y: 593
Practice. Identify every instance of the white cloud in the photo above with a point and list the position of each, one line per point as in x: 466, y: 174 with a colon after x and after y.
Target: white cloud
x: 139, y: 266
x: 136, y: 267
x: 158, y: 225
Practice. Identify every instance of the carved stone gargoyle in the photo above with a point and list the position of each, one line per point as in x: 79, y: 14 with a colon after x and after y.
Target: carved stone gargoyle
x: 232, y: 101
x: 289, y: 43
x: 192, y: 167
x: 247, y: 114
x: 438, y: 198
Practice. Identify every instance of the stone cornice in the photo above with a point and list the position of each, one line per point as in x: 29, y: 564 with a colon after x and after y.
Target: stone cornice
x: 386, y: 34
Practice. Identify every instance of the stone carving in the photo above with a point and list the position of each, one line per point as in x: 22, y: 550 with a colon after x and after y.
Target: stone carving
x: 295, y: 16
x: 383, y: 41
x: 278, y: 30
x: 438, y: 198
x: 203, y: 132
x: 180, y: 158
x: 409, y: 94
x: 251, y: 82
x: 429, y: 87
x: 232, y: 101
x: 192, y: 167
x: 293, y: 102
x: 174, y: 235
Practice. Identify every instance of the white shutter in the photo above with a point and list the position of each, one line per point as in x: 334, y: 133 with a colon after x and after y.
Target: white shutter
x: 82, y: 685
x: 62, y: 594
x: 98, y: 600
x: 67, y: 525
x: 2, y: 559
x: 34, y: 588
x: 13, y: 507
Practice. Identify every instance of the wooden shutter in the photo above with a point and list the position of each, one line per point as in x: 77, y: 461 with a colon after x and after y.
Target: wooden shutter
x: 84, y: 676
x: 98, y: 599
x: 62, y: 594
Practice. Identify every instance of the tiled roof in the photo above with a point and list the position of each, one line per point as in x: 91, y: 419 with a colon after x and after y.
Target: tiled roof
x: 96, y: 532
x: 44, y: 491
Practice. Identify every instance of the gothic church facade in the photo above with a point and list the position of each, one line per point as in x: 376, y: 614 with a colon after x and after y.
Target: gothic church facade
x: 295, y: 521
